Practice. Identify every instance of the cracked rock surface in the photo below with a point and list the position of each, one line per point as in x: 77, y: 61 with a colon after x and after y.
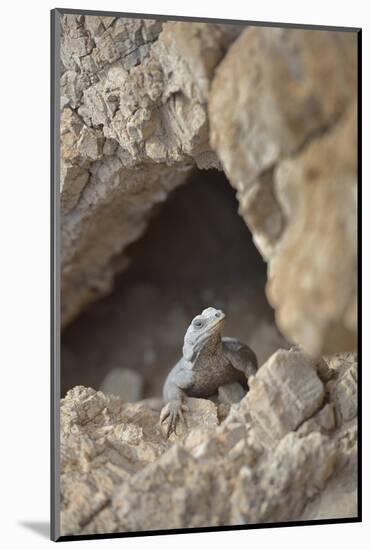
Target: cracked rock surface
x: 296, y: 460
x: 144, y: 102
x: 133, y: 124
x: 283, y: 122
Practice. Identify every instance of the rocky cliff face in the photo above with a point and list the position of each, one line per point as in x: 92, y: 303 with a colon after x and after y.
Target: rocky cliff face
x: 133, y: 124
x: 140, y: 99
x: 283, y: 122
x: 286, y: 451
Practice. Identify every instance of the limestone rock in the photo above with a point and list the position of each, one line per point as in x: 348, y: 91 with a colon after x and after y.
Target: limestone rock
x: 339, y: 499
x: 136, y: 98
x: 269, y: 95
x: 323, y: 421
x: 119, y: 473
x: 283, y: 123
x: 103, y: 442
x: 343, y: 389
x: 285, y: 392
x: 113, y: 209
x: 319, y: 280
x: 174, y: 492
x: 201, y: 416
x: 303, y: 466
x: 231, y: 441
x: 133, y: 123
x: 74, y: 174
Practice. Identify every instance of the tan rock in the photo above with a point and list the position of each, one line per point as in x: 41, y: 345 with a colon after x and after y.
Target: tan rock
x: 119, y: 473
x: 313, y: 277
x: 134, y: 122
x: 323, y: 421
x: 295, y: 471
x: 344, y: 388
x: 283, y: 124
x: 285, y: 392
x: 173, y: 493
x: 201, y: 416
x: 273, y: 89
x: 103, y: 442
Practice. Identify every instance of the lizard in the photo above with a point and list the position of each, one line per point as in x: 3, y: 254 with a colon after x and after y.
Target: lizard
x: 209, y: 361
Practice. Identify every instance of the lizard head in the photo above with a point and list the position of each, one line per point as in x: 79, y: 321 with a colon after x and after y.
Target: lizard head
x: 204, y: 330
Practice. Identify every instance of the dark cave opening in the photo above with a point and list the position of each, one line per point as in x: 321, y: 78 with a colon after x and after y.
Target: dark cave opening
x: 196, y: 252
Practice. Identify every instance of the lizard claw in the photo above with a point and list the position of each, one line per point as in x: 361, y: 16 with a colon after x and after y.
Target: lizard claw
x: 183, y: 409
x: 165, y: 413
x: 173, y: 411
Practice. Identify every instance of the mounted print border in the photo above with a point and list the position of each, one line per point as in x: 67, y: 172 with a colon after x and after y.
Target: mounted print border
x: 133, y: 119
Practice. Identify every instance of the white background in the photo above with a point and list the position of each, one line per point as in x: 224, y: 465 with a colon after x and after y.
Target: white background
x: 24, y: 285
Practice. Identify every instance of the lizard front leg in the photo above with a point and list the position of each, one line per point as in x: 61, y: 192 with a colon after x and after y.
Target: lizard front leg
x: 173, y: 410
x: 174, y: 396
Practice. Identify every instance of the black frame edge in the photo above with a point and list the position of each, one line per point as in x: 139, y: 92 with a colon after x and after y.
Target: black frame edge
x: 67, y: 538
x: 104, y: 13
x: 54, y: 275
x: 359, y: 259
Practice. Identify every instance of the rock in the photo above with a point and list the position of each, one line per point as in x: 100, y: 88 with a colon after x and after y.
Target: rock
x: 283, y: 123
x: 231, y: 440
x: 341, y: 362
x: 303, y: 465
x: 343, y: 390
x: 324, y: 372
x: 103, y: 442
x: 126, y: 383
x: 154, y: 403
x: 119, y: 473
x: 285, y: 392
x: 172, y: 493
x: 201, y: 416
x: 323, y: 421
x: 137, y: 96
x: 339, y: 499
x: 114, y: 208
x: 133, y: 124
x: 325, y: 286
x: 326, y: 418
x: 275, y: 77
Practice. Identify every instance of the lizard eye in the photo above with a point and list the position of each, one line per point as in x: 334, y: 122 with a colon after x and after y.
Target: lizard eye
x: 197, y: 323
